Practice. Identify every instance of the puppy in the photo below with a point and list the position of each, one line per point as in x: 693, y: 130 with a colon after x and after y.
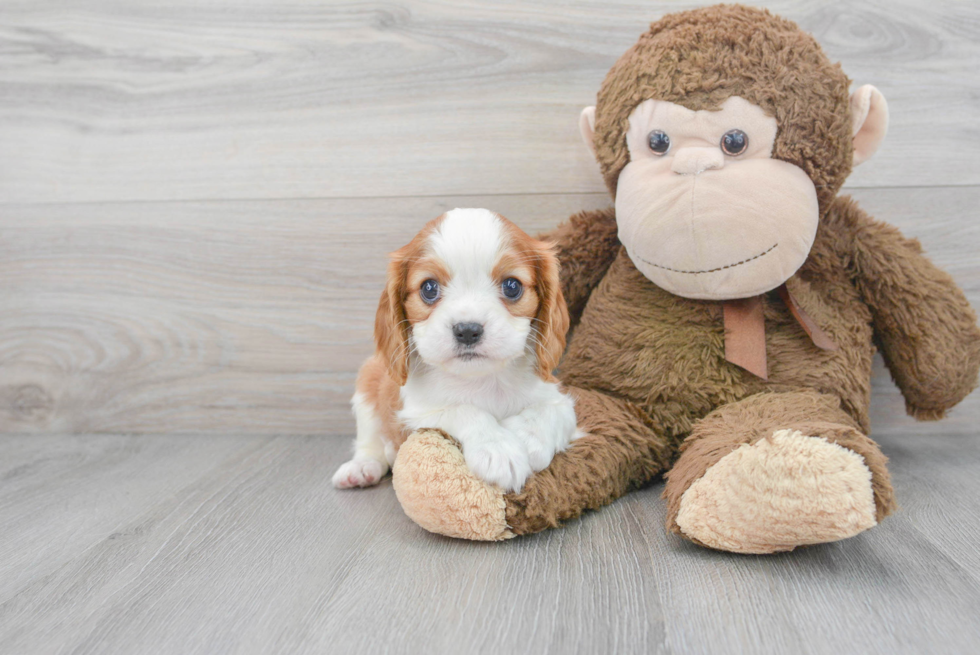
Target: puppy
x: 470, y: 326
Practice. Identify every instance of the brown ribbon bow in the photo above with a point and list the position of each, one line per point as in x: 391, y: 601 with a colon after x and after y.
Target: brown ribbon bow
x: 745, y: 331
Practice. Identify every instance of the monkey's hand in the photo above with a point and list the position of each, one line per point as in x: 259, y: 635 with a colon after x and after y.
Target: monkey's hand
x: 923, y: 322
x: 587, y: 245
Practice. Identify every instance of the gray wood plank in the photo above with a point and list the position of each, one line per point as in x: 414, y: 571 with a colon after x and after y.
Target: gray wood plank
x: 252, y: 317
x: 62, y: 495
x: 261, y: 555
x: 218, y: 99
x: 938, y: 494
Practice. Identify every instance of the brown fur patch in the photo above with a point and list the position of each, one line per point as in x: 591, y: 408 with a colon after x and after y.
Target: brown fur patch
x: 551, y: 319
x: 586, y: 245
x: 392, y: 322
x: 924, y: 324
x: 419, y: 270
x: 383, y: 392
x: 512, y: 264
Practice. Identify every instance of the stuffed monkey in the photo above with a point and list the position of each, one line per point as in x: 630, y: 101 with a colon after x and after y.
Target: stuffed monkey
x: 725, y: 312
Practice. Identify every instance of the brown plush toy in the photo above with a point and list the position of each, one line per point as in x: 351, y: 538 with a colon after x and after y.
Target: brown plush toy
x: 725, y: 314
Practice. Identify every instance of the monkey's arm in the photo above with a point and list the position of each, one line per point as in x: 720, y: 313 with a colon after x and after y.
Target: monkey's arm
x: 924, y: 324
x: 587, y: 244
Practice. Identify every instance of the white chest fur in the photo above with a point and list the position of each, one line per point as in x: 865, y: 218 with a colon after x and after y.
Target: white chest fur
x: 502, y: 394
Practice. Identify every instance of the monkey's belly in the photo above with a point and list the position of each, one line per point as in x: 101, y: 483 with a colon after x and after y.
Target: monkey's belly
x: 667, y: 354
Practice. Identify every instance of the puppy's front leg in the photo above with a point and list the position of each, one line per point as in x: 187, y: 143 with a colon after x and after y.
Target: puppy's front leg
x: 492, y: 452
x: 547, y: 427
x: 370, y: 463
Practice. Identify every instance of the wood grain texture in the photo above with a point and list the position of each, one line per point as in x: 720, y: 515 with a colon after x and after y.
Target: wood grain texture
x: 61, y: 496
x: 252, y: 317
x: 214, y: 317
x: 231, y: 100
x: 249, y: 550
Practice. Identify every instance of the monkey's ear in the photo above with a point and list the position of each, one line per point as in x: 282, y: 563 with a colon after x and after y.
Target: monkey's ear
x: 870, y: 114
x: 586, y: 124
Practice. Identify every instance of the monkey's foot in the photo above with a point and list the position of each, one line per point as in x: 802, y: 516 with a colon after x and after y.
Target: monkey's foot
x: 440, y: 493
x: 782, y: 491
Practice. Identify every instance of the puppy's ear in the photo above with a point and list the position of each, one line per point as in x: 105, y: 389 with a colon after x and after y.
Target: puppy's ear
x: 552, y: 318
x: 391, y: 323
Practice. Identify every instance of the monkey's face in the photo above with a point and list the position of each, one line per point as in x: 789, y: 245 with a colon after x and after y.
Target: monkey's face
x: 703, y: 209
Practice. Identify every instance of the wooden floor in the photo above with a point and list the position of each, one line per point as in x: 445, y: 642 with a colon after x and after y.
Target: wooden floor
x: 196, y: 202
x: 188, y: 544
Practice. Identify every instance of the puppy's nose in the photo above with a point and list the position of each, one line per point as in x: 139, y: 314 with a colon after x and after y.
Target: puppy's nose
x: 467, y: 333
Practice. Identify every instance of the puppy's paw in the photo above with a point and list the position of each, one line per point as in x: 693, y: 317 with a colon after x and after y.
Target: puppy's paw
x: 359, y: 473
x: 539, y: 451
x: 503, y: 463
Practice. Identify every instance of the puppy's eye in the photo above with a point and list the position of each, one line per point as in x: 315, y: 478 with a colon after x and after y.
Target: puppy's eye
x: 429, y: 291
x: 512, y: 288
x: 734, y: 142
x: 659, y: 142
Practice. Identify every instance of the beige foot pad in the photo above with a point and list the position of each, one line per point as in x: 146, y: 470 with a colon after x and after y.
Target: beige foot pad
x: 784, y: 491
x: 437, y: 490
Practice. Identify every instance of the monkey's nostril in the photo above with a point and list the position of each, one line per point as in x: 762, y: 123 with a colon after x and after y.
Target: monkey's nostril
x: 467, y: 333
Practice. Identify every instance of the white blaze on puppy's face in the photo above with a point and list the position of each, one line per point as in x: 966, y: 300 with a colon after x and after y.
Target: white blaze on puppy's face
x: 709, y: 216
x: 463, y: 255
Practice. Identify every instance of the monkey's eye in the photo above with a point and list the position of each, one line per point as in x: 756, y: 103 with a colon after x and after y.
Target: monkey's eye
x: 659, y: 142
x: 429, y: 291
x: 734, y: 142
x: 512, y: 288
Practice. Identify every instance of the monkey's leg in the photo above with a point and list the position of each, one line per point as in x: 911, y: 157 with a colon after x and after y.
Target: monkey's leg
x: 775, y: 471
x: 620, y: 450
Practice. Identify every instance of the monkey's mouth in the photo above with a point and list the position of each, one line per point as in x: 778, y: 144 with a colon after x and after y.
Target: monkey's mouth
x: 711, y: 270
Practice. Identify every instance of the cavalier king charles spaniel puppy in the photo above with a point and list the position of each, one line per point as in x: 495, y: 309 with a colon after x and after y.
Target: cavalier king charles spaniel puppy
x: 470, y: 326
